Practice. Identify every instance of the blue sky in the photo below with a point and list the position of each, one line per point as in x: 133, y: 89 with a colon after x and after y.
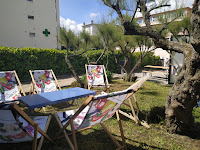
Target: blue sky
x: 74, y: 12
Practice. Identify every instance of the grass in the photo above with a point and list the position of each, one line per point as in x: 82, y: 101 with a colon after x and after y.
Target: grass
x: 151, y: 98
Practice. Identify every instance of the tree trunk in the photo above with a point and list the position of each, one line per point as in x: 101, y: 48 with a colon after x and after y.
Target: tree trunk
x: 74, y: 72
x: 185, y: 91
x: 184, y: 95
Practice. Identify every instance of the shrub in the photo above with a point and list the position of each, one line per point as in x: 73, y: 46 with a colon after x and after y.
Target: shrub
x: 24, y: 59
x: 109, y: 75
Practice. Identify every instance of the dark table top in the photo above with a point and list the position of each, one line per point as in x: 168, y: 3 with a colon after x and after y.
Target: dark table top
x: 49, y: 98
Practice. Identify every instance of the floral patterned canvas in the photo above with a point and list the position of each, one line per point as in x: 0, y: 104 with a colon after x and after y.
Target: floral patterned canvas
x: 95, y: 75
x: 44, y: 81
x: 64, y: 117
x: 8, y: 87
x: 99, y: 110
x: 11, y: 132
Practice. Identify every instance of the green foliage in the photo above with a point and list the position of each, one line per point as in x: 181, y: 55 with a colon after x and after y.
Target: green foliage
x: 68, y: 38
x: 83, y: 78
x: 110, y: 33
x: 149, y: 59
x: 75, y: 84
x: 109, y: 75
x: 24, y: 59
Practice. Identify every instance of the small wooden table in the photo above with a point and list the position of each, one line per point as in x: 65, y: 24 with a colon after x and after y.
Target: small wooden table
x: 157, y: 70
x: 157, y: 67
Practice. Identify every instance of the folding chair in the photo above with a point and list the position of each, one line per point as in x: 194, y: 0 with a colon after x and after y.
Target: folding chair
x: 95, y: 109
x: 133, y: 115
x: 17, y: 126
x: 96, y: 76
x: 8, y: 86
x: 43, y: 81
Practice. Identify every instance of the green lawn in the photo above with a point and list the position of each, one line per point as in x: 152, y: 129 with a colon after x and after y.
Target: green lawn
x: 151, y: 98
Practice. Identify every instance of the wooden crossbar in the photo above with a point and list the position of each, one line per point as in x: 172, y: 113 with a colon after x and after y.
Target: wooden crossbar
x: 20, y: 85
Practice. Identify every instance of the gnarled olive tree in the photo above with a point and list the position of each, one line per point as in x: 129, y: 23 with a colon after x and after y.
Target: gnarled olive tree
x: 186, y: 89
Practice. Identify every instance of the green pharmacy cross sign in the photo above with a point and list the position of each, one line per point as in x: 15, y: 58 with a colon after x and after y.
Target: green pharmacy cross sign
x: 46, y: 32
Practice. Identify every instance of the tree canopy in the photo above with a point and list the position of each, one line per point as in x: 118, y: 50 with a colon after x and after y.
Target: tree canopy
x: 185, y: 91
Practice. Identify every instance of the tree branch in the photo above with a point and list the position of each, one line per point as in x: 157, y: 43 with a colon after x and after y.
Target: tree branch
x: 162, y: 5
x: 167, y: 24
x: 135, y: 11
x: 75, y: 55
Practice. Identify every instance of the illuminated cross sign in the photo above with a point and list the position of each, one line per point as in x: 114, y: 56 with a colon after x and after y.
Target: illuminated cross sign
x: 46, y: 32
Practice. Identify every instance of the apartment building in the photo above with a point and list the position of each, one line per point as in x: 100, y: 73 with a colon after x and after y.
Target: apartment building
x: 29, y: 23
x: 154, y: 18
x: 174, y: 60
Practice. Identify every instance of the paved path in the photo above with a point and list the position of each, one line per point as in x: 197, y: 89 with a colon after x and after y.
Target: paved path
x: 67, y: 80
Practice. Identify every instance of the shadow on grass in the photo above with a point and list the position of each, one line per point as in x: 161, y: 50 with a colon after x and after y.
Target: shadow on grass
x: 99, y: 140
x: 146, y: 93
x: 141, y: 144
x: 155, y: 115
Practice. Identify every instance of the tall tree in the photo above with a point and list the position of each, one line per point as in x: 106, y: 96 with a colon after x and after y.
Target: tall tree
x: 185, y: 91
x: 128, y: 45
x: 78, y: 44
x: 109, y: 35
x: 71, y: 42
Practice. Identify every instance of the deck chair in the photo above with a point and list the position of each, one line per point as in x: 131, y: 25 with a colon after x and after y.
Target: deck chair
x: 43, y: 81
x: 96, y: 76
x: 134, y: 115
x: 17, y: 126
x: 94, y: 110
x: 8, y: 87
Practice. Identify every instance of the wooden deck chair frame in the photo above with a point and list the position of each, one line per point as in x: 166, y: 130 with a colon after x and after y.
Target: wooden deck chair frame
x: 134, y: 116
x: 107, y: 85
x: 74, y: 145
x: 14, y: 107
x: 19, y: 83
x: 33, y: 88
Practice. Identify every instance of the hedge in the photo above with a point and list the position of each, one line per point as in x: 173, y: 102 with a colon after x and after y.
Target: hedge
x: 24, y: 59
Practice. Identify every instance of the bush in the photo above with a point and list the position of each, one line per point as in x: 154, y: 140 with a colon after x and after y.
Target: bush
x: 24, y: 59
x: 109, y: 75
x: 83, y: 78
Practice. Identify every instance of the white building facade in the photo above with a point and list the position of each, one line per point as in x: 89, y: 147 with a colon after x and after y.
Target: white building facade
x: 29, y: 23
x: 154, y: 20
x: 90, y: 28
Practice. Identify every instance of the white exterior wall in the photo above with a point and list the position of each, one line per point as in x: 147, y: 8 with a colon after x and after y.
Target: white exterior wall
x: 163, y: 54
x: 177, y: 58
x: 154, y: 20
x: 15, y: 25
x: 91, y: 29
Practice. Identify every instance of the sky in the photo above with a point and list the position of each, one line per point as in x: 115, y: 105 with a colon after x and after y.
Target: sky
x: 73, y: 13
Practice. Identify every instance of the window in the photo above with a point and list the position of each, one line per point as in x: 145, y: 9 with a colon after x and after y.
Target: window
x: 140, y: 21
x: 153, y: 19
x: 182, y: 14
x: 30, y: 17
x: 31, y: 34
